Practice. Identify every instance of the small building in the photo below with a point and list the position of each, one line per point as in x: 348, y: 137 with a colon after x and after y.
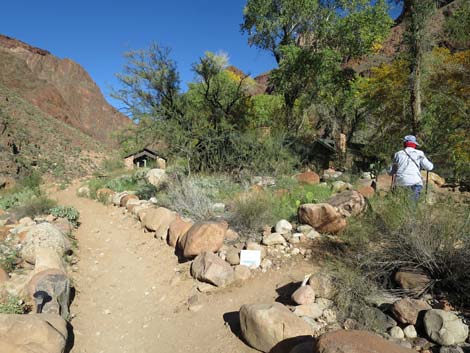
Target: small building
x: 144, y: 158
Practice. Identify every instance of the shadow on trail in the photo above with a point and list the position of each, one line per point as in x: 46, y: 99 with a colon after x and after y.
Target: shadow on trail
x: 285, y: 292
x: 70, y: 334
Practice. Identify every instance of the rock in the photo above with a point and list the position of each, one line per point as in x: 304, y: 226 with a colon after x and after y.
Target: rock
x: 283, y: 227
x: 242, y: 273
x: 421, y: 344
x: 159, y: 220
x: 218, y: 207
x: 233, y: 256
x: 105, y: 195
x: 256, y: 246
x: 322, y: 285
x: 156, y: 177
x: 202, y: 237
x: 118, y: 196
x: 454, y: 349
x: 3, y: 276
x: 32, y: 333
x: 263, y: 181
x: 304, y: 295
x: 127, y: 198
x: 330, y: 173
x: 208, y: 267
x: 414, y: 282
x: 445, y: 328
x: 366, y: 175
x: 43, y: 235
x: 141, y: 210
x: 304, y: 229
x: 397, y: 332
x: 353, y: 341
x: 48, y: 259
x: 274, y: 239
x: 264, y: 326
x: 366, y: 191
x: 310, y: 178
x: 382, y: 321
x: 406, y: 310
x: 410, y: 332
x: 340, y: 186
x: 83, y: 191
x: 350, y: 203
x: 56, y: 285
x: 433, y: 178
x: 231, y: 235
x: 313, y: 234
x: 64, y: 225
x: 350, y: 324
x: 177, y: 229
x: 266, y: 264
x: 330, y: 316
x: 313, y: 310
x: 323, y: 217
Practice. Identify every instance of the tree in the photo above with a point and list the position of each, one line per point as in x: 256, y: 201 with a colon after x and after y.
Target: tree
x: 417, y: 39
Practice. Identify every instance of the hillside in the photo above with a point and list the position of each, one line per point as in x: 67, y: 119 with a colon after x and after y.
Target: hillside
x: 60, y: 88
x: 33, y: 140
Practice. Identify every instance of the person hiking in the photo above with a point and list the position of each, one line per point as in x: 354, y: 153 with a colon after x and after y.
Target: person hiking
x: 407, y: 165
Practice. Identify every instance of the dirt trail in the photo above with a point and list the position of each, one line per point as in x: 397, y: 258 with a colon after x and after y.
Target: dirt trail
x: 132, y: 295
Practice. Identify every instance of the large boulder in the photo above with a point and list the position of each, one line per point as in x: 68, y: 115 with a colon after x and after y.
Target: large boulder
x: 157, y: 177
x: 32, y: 333
x: 407, y: 310
x: 178, y: 228
x: 202, y: 237
x: 43, y: 235
x: 323, y: 217
x: 445, y: 328
x: 208, y: 267
x: 128, y: 198
x: 274, y: 239
x: 433, y: 178
x: 350, y: 203
x: 264, y: 326
x: 50, y: 289
x: 304, y: 295
x: 356, y: 342
x: 323, y: 285
x: 158, y: 220
x: 117, y: 197
x: 310, y: 178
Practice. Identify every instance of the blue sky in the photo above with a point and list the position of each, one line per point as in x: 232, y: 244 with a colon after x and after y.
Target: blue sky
x: 96, y: 33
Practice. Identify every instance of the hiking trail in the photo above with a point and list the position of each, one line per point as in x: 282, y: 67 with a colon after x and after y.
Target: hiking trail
x: 132, y: 295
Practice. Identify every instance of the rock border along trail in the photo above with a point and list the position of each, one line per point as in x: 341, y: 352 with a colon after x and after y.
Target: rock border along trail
x: 132, y: 295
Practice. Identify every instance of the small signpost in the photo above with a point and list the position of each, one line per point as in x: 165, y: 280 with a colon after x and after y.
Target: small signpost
x: 250, y: 258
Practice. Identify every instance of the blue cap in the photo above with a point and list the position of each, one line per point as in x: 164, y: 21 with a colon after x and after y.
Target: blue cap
x: 411, y: 138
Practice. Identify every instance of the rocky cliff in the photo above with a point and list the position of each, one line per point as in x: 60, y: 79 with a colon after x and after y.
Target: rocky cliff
x: 60, y: 88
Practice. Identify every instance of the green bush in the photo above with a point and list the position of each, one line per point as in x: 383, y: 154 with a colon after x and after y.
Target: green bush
x: 68, y: 212
x: 252, y: 211
x: 17, y: 197
x: 8, y: 257
x: 12, y: 305
x: 112, y: 164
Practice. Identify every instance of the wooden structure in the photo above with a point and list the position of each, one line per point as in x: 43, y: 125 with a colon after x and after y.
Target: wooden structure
x: 144, y: 158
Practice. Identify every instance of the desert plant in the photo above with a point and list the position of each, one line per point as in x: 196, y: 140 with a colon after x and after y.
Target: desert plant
x: 12, y: 305
x: 33, y: 207
x: 68, y: 212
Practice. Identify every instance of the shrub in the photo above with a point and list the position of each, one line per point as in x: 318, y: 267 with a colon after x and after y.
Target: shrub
x: 17, y: 197
x: 36, y: 206
x: 112, y: 164
x: 68, y: 212
x: 8, y: 257
x: 12, y: 305
x: 432, y: 238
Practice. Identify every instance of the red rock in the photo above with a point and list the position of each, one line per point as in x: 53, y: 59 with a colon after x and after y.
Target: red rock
x: 412, y: 281
x: 323, y: 217
x: 407, y: 310
x: 356, y: 342
x: 202, y: 237
x: 310, y: 178
x: 178, y: 228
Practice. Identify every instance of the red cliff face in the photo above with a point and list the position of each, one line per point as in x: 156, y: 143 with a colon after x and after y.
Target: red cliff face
x: 59, y: 87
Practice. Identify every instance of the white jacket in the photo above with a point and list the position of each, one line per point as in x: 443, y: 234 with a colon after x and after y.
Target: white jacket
x: 407, y: 165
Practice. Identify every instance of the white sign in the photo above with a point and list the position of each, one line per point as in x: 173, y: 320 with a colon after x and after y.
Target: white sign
x: 250, y: 258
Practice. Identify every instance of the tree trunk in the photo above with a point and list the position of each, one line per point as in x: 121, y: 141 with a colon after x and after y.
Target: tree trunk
x: 415, y: 95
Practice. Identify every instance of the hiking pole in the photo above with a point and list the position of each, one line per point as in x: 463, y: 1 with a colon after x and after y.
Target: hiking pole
x: 427, y: 182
